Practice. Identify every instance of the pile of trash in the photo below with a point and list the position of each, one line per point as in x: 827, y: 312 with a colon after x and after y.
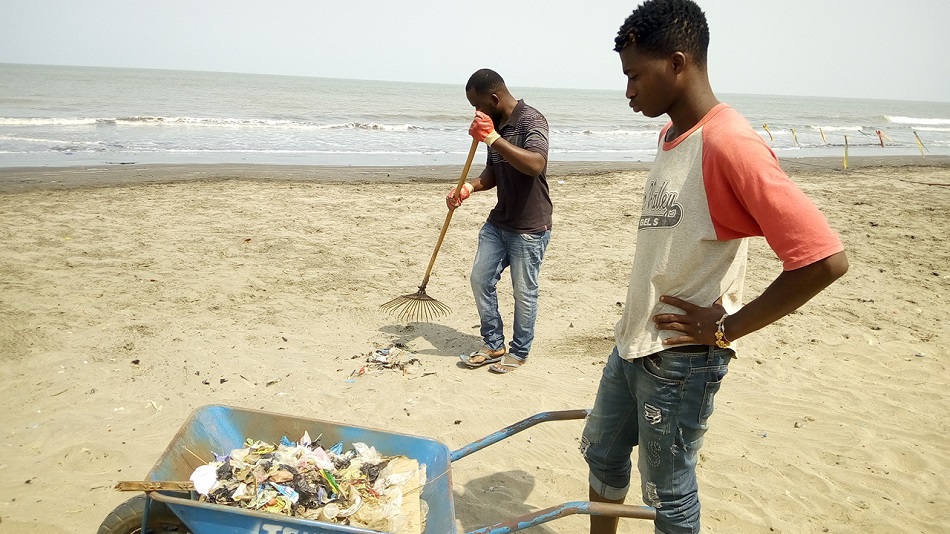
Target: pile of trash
x: 358, y: 487
x: 393, y: 358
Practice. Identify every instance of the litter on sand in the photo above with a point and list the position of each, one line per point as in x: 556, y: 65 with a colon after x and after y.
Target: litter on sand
x: 392, y: 358
x: 359, y: 487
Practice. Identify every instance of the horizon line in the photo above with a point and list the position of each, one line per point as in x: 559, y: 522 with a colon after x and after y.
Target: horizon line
x: 619, y: 89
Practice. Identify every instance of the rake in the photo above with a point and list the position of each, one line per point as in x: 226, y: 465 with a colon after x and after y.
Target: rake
x: 419, y: 306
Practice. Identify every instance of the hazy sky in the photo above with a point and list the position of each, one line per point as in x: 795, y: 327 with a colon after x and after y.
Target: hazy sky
x: 849, y: 48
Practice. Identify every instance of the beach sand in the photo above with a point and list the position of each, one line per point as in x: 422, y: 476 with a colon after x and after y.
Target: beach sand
x: 130, y: 295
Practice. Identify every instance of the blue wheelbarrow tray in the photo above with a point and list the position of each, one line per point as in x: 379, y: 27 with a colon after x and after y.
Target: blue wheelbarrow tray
x: 220, y: 429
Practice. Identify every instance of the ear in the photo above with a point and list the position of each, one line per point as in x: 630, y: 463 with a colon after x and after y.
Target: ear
x: 678, y: 62
x: 494, y: 98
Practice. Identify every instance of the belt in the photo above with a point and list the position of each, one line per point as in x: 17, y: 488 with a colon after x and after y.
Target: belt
x: 690, y: 348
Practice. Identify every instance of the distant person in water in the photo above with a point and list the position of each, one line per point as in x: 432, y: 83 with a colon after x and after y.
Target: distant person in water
x: 518, y: 228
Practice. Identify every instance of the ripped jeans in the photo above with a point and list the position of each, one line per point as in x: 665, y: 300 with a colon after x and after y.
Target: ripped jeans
x: 662, y: 403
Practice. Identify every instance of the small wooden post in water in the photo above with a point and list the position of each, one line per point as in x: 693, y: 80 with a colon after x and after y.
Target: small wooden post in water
x: 846, y: 151
x: 920, y: 144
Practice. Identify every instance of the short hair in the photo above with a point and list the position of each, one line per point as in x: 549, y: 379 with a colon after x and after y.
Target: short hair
x: 485, y: 82
x: 664, y: 27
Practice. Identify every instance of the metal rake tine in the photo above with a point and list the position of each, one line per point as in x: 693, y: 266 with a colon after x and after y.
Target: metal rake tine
x: 417, y: 307
x: 441, y: 309
x: 393, y: 304
x: 407, y: 311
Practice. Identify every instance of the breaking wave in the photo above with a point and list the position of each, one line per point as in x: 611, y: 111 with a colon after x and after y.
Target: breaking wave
x: 912, y: 120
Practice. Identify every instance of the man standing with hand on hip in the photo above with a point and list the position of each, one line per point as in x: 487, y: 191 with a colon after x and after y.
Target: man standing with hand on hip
x: 713, y: 184
x: 518, y: 228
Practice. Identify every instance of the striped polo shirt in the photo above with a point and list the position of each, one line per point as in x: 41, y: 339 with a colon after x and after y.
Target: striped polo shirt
x: 524, y: 203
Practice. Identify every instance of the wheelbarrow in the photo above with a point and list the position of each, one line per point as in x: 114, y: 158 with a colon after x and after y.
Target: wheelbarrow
x: 223, y: 428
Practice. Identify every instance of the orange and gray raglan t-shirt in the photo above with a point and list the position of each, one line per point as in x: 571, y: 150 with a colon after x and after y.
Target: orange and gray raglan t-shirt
x: 708, y: 190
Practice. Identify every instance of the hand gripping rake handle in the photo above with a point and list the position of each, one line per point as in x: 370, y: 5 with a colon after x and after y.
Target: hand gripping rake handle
x: 448, y: 216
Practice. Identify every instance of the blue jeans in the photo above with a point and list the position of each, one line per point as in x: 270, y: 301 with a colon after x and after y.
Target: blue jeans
x: 497, y: 250
x: 662, y: 403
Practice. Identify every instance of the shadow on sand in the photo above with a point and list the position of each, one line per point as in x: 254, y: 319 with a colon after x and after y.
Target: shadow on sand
x: 446, y: 341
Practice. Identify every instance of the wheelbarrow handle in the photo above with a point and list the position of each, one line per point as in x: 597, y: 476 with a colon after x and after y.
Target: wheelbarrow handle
x: 511, y: 430
x: 566, y: 509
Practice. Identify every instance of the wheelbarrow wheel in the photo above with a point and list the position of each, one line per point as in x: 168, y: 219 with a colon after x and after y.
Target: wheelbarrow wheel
x: 127, y: 518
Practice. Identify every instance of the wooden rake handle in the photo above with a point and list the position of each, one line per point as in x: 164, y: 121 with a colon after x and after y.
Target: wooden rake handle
x: 448, y: 216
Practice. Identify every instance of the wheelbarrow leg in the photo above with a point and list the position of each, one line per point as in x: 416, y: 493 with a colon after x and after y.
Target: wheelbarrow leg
x: 566, y: 509
x: 148, y: 504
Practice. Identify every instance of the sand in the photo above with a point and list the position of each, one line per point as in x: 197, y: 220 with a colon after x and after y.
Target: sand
x: 131, y: 295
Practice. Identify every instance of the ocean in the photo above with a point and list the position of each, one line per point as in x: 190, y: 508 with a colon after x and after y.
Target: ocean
x: 70, y: 116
